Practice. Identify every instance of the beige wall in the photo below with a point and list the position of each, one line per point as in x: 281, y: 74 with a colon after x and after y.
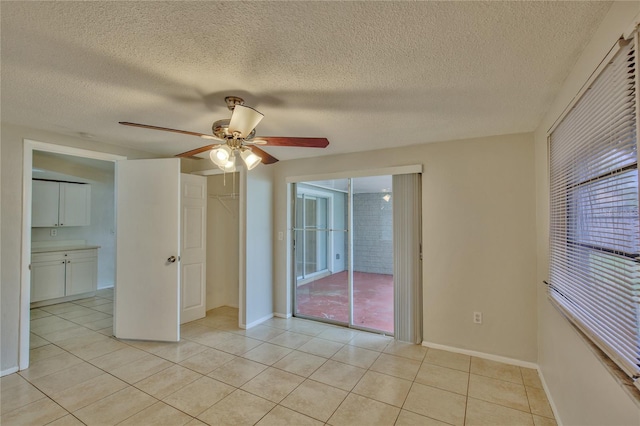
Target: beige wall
x: 478, y: 237
x: 582, y: 389
x: 256, y: 237
x: 11, y: 148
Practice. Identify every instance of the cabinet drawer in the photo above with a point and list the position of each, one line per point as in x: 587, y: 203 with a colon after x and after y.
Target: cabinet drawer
x: 82, y: 254
x: 48, y: 257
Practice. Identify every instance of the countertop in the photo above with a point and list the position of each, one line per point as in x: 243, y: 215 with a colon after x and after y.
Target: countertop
x: 63, y: 248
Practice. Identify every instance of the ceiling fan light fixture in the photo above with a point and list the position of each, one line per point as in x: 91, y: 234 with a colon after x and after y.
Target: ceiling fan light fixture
x: 243, y: 120
x: 250, y: 159
x: 221, y: 155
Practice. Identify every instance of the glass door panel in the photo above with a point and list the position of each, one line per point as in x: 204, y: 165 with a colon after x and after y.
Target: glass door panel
x: 373, y: 291
x: 322, y: 282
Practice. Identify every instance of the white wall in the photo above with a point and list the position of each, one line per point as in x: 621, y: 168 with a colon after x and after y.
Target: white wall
x: 101, y: 230
x: 583, y: 390
x: 478, y: 233
x: 222, y: 241
x: 11, y: 147
x: 256, y: 248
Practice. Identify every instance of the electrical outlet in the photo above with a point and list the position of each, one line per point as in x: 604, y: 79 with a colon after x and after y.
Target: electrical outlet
x: 280, y: 235
x: 337, y: 256
x: 477, y: 317
x: 54, y: 232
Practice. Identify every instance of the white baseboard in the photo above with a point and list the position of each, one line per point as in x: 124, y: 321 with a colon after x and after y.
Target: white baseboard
x: 8, y: 371
x: 483, y: 355
x: 279, y: 315
x: 104, y: 287
x: 258, y: 321
x: 551, y: 403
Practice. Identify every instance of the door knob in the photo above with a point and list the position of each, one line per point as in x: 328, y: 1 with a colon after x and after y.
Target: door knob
x: 172, y: 259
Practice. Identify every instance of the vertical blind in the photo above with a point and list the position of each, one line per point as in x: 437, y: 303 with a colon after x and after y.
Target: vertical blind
x: 407, y: 261
x: 594, y: 224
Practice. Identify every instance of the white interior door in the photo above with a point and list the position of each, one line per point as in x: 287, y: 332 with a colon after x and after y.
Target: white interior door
x: 193, y: 247
x: 147, y: 291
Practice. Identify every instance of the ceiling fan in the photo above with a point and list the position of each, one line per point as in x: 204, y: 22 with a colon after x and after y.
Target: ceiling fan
x: 236, y: 137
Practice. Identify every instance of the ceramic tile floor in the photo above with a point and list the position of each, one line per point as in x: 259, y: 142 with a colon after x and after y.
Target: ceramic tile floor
x: 289, y: 371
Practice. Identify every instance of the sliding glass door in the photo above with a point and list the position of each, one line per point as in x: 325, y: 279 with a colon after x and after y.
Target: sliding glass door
x: 321, y: 251
x: 343, y: 251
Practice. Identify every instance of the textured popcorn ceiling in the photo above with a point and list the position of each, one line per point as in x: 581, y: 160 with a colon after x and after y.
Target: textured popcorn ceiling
x: 365, y: 75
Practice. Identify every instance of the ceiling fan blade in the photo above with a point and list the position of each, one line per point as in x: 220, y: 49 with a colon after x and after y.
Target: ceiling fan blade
x: 266, y: 157
x: 286, y: 141
x: 166, y: 129
x: 243, y: 120
x: 196, y: 151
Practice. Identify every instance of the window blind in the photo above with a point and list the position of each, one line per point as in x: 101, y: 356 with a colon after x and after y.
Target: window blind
x: 594, y: 223
x: 407, y: 257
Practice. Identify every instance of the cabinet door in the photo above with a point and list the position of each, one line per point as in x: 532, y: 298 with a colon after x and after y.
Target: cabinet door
x: 75, y: 204
x: 82, y: 275
x: 47, y: 280
x: 44, y: 203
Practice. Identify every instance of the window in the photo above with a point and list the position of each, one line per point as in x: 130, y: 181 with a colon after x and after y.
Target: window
x: 594, y: 225
x: 312, y: 218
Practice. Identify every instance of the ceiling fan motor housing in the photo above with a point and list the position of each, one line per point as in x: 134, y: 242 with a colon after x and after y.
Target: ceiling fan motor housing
x: 220, y: 130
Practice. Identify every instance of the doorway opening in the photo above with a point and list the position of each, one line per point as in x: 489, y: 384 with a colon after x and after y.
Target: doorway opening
x: 46, y: 152
x: 343, y: 249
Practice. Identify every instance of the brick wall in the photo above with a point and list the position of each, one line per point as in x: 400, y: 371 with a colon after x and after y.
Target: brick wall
x: 372, y: 233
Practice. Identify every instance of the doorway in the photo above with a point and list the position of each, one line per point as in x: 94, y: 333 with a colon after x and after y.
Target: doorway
x: 30, y: 147
x: 343, y: 249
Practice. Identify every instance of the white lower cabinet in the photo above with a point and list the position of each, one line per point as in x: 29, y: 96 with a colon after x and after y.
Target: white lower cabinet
x: 63, y: 273
x: 47, y: 280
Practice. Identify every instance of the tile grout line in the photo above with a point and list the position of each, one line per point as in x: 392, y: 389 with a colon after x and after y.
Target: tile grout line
x: 466, y: 397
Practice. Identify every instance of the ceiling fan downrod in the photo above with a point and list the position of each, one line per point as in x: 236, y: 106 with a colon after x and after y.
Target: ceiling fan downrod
x: 232, y: 101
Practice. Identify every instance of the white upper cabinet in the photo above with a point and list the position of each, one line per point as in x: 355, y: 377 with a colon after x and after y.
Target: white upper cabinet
x: 44, y: 205
x: 75, y: 204
x: 60, y: 204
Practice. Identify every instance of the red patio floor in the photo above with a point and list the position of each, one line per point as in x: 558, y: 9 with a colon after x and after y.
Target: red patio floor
x: 328, y: 298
